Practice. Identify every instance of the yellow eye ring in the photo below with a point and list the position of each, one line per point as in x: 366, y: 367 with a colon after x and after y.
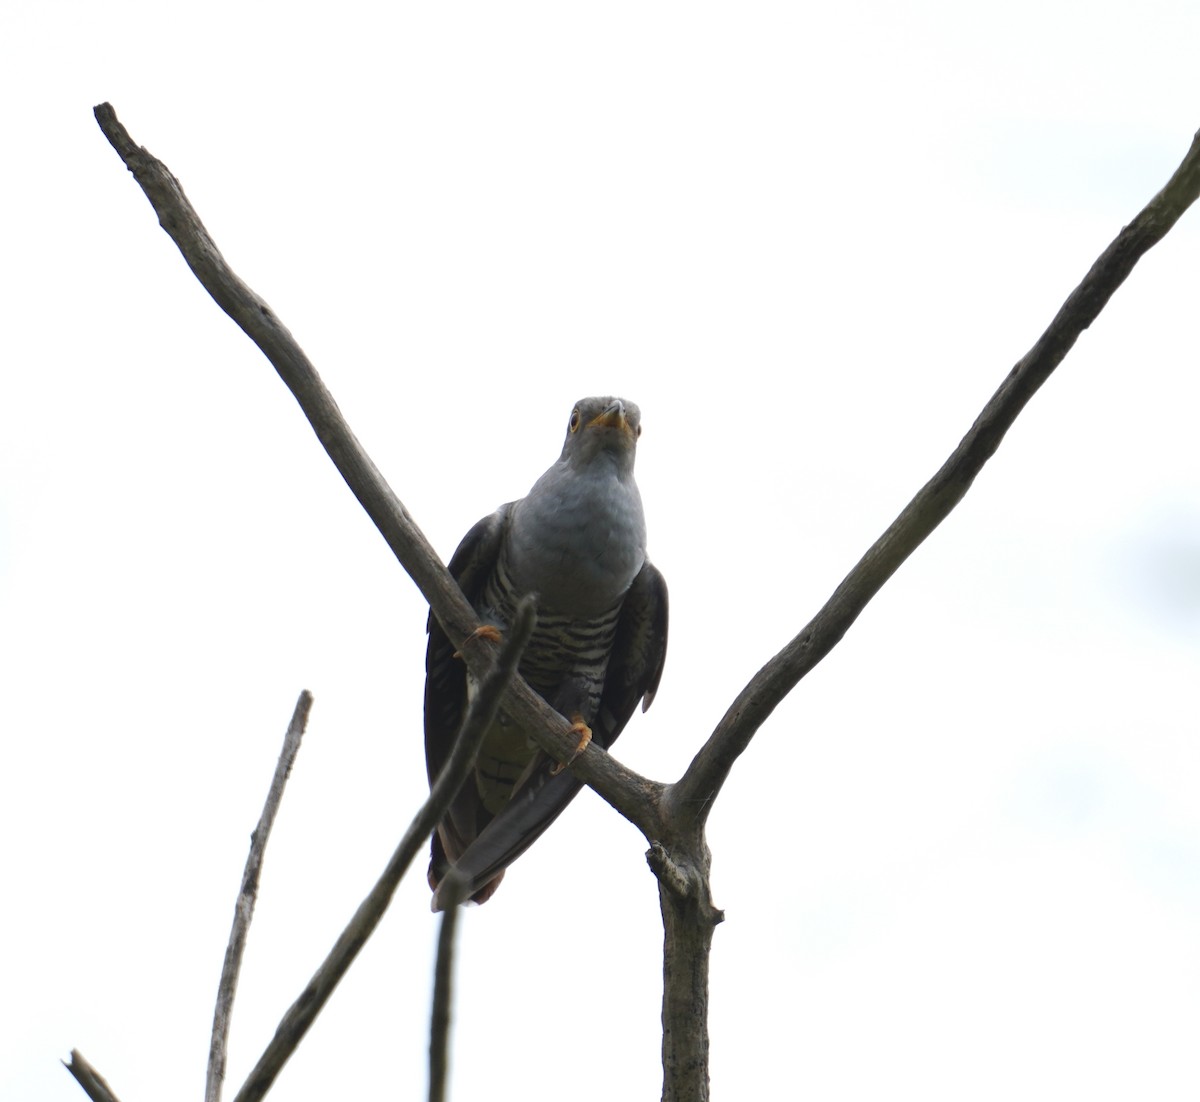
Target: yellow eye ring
x: 574, y: 425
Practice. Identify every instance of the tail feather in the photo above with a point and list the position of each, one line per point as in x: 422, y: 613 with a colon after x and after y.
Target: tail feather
x: 515, y: 828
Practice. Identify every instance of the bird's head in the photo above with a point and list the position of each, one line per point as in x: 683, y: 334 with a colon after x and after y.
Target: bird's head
x: 602, y: 425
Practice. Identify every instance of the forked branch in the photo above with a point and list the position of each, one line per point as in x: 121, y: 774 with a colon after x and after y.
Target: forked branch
x: 672, y: 816
x: 688, y: 916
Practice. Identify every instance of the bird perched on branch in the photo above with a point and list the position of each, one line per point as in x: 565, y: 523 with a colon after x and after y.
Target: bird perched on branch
x: 577, y: 542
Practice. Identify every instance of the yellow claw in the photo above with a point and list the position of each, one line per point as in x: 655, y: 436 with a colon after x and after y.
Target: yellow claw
x: 584, y: 732
x: 485, y: 631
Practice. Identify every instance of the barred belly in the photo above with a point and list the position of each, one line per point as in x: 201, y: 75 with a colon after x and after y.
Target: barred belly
x: 565, y: 662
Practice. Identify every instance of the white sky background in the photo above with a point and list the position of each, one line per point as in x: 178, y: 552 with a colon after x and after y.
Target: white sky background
x: 963, y: 858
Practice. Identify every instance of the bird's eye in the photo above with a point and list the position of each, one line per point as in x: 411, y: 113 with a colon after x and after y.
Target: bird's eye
x: 639, y: 430
x: 574, y: 426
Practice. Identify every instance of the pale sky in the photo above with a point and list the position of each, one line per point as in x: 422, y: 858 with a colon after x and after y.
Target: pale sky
x: 963, y: 858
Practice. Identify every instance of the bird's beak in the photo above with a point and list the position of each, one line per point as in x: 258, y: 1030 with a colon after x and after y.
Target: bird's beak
x: 611, y: 418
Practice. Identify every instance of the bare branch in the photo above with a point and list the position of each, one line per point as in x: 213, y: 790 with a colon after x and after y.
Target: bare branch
x: 89, y: 1079
x: 244, y: 908
x: 177, y: 216
x: 673, y: 817
x: 303, y: 1012
x: 628, y: 792
x: 692, y: 796
x: 454, y: 890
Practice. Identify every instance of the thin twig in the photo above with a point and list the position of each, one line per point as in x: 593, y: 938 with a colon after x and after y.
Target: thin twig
x: 691, y: 798
x: 303, y: 1012
x: 453, y: 891
x: 89, y: 1079
x: 244, y: 909
x: 632, y: 795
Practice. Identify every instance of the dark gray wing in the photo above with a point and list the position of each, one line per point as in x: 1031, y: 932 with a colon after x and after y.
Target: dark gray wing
x: 445, y: 675
x: 634, y: 670
x: 446, y: 692
x: 639, y: 651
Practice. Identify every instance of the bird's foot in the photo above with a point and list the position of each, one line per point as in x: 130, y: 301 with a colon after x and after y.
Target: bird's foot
x: 585, y: 736
x: 485, y: 631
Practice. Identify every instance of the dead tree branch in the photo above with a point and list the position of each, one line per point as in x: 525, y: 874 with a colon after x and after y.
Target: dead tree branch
x: 691, y: 797
x: 247, y: 896
x: 303, y: 1012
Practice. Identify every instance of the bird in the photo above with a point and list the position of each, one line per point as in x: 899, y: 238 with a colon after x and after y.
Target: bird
x: 577, y: 543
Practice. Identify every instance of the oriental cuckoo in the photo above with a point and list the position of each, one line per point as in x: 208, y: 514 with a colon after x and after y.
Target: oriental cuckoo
x: 577, y: 543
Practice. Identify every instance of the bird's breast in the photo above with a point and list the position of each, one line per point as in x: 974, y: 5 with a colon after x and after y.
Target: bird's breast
x: 577, y: 543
